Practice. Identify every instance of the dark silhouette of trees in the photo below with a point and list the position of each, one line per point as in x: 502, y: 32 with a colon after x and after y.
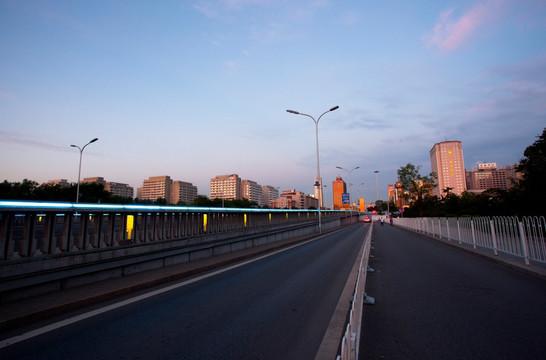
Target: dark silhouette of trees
x: 31, y: 190
x: 533, y: 171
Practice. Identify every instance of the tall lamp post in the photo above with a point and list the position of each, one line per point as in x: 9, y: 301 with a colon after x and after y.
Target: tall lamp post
x: 350, y: 185
x: 80, y: 167
x: 318, y: 182
x: 376, y: 185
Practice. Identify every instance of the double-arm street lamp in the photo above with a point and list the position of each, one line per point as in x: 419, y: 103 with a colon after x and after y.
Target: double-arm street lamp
x: 318, y: 183
x: 80, y: 168
x: 350, y: 185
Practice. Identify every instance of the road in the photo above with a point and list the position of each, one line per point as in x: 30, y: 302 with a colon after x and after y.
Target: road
x: 434, y: 301
x: 278, y: 307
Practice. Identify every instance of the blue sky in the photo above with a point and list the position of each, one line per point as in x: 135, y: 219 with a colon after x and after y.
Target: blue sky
x: 195, y: 89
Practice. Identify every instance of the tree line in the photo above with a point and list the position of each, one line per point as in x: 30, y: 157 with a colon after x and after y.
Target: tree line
x: 95, y: 193
x: 527, y: 197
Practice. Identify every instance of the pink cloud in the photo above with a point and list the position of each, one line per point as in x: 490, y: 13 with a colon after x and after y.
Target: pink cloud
x: 449, y: 33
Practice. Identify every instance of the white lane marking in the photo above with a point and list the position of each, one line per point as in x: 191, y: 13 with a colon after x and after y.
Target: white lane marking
x: 74, y: 319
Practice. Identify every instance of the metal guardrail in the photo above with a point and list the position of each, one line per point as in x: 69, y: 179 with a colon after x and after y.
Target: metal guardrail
x: 351, y: 338
x: 525, y: 238
x: 35, y: 229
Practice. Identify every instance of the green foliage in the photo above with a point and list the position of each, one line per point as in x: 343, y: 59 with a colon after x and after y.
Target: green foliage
x: 418, y: 186
x: 533, y: 171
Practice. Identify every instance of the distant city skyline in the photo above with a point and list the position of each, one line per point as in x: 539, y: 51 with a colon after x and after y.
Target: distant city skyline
x: 201, y: 87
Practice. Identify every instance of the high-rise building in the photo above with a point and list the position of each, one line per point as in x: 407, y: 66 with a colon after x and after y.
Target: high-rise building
x: 156, y: 187
x: 396, y: 194
x: 182, y: 191
x: 339, y: 187
x: 446, y: 160
x: 269, y: 193
x: 318, y: 188
x: 487, y: 176
x: 252, y: 191
x: 226, y: 187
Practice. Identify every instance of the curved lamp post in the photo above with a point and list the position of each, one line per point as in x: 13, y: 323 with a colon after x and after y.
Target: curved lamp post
x: 80, y: 168
x: 318, y: 182
x: 350, y: 185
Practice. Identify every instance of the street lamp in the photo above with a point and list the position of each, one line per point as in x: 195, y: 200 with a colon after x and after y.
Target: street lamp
x: 318, y: 182
x: 350, y: 185
x: 80, y: 168
x: 376, y: 185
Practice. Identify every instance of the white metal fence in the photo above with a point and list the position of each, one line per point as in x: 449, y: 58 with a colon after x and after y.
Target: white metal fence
x: 351, y: 337
x: 523, y: 237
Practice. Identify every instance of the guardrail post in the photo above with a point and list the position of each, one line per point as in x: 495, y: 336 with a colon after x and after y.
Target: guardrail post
x: 6, y: 243
x: 524, y: 244
x: 459, y: 232
x: 66, y: 237
x: 473, y: 233
x: 494, y: 238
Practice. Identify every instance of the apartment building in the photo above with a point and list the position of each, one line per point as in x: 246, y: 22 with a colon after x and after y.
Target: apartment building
x: 119, y: 189
x: 182, y: 191
x: 292, y: 199
x: 488, y: 176
x: 269, y: 193
x: 60, y: 182
x: 446, y: 160
x: 116, y: 189
x: 227, y: 187
x: 91, y: 180
x: 156, y: 187
x: 252, y: 191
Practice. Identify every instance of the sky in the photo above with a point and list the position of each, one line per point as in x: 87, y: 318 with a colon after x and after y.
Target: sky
x: 198, y: 88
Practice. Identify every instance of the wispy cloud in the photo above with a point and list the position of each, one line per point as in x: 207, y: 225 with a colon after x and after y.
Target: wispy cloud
x: 451, y: 33
x: 14, y: 138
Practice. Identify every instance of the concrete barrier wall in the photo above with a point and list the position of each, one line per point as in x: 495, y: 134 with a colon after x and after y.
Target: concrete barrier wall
x: 29, y: 277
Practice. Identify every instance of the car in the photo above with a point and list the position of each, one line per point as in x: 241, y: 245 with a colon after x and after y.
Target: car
x: 367, y: 219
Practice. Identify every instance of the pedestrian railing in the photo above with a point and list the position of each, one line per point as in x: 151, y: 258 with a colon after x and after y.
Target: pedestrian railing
x: 523, y: 237
x: 351, y: 337
x: 35, y: 229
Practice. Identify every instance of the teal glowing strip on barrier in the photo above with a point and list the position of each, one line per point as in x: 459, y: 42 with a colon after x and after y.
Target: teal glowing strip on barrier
x: 44, y: 205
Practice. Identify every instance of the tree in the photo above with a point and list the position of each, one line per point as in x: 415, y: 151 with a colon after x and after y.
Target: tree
x: 417, y: 186
x: 533, y: 171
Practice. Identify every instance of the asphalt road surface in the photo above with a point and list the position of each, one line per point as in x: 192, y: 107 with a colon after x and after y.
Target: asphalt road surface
x: 275, y: 308
x: 434, y: 301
